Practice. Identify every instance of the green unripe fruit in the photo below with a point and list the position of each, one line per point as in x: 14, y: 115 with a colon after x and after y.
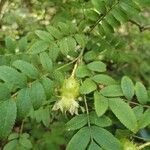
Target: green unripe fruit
x: 128, y: 145
x: 70, y: 86
x: 69, y: 94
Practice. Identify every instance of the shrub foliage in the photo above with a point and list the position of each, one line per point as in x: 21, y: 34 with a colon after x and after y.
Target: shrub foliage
x: 58, y: 85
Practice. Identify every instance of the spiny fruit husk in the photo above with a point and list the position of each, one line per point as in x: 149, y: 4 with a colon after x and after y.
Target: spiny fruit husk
x: 69, y: 94
x: 70, y: 86
x: 128, y: 145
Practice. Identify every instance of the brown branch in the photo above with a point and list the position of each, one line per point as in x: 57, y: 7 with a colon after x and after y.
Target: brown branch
x: 141, y: 27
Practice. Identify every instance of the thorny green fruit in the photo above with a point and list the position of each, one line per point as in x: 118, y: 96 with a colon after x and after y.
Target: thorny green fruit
x: 69, y: 93
x: 128, y: 145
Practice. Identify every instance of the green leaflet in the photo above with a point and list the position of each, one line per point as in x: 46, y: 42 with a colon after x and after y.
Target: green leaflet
x: 77, y: 122
x: 11, y: 145
x: 80, y: 140
x: 145, y: 119
x: 10, y: 44
x: 112, y: 91
x: 23, y: 102
x: 71, y: 43
x: 37, y: 94
x: 7, y: 117
x: 13, y: 136
x: 26, y: 68
x: 120, y: 15
x: 107, y: 27
x: 138, y: 111
x: 54, y: 32
x: 41, y: 115
x: 63, y: 45
x: 23, y: 44
x: 91, y: 15
x: 102, y: 121
x: 81, y: 39
x: 127, y: 87
x: 58, y: 76
x: 90, y: 56
x: 141, y: 93
x: 43, y: 35
x: 100, y: 104
x: 105, y: 139
x: 124, y: 113
x: 22, y: 142
x: 48, y: 86
x: 97, y: 66
x: 113, y: 21
x: 67, y: 44
x: 25, y: 143
x: 144, y: 2
x: 12, y: 76
x: 130, y: 8
x: 82, y: 71
x: 38, y: 47
x: 54, y: 51
x: 46, y: 62
x: 63, y: 28
x: 4, y: 92
x: 46, y: 116
x: 88, y: 86
x: 37, y: 114
x: 103, y: 79
x: 100, y: 6
x: 94, y: 146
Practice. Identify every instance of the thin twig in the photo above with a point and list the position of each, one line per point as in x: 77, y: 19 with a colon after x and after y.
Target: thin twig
x: 135, y: 103
x: 144, y: 145
x: 88, y: 117
x: 21, y: 128
x: 77, y: 62
x: 73, y: 61
x: 87, y: 110
x: 138, y: 137
x: 141, y: 27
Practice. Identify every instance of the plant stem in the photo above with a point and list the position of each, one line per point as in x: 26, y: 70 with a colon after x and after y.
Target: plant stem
x: 21, y: 128
x: 75, y: 60
x: 87, y: 110
x: 144, y: 145
x: 88, y: 118
x: 141, y: 27
x: 130, y: 102
x: 138, y: 137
